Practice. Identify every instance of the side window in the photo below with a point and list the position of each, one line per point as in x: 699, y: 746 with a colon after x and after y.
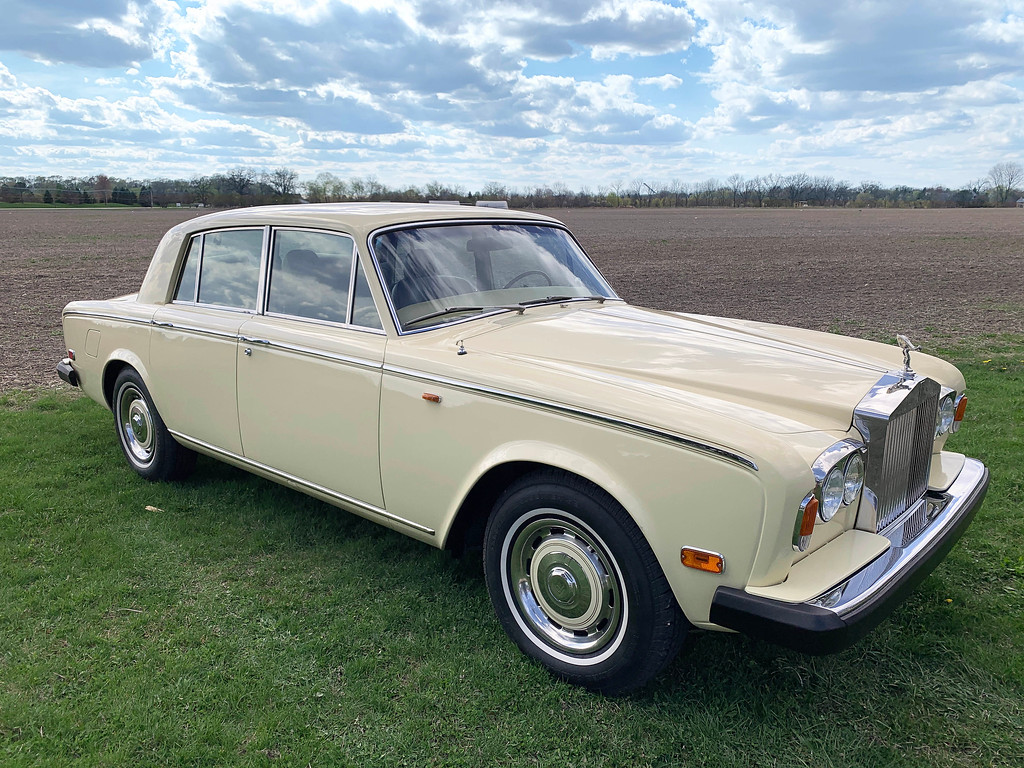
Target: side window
x: 364, y: 313
x: 310, y: 275
x: 187, y: 285
x: 230, y: 272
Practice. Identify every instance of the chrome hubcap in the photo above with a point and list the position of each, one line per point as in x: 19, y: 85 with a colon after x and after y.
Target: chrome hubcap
x: 136, y: 424
x: 564, y: 583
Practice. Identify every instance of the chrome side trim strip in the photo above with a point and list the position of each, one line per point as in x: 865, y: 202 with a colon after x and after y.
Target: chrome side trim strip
x: 302, y: 484
x: 194, y: 329
x: 316, y: 353
x: 108, y: 316
x: 592, y: 416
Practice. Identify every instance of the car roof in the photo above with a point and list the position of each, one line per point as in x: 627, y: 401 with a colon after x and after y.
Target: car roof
x: 359, y: 220
x: 360, y: 217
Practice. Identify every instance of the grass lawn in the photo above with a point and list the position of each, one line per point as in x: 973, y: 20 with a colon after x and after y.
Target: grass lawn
x: 227, y: 620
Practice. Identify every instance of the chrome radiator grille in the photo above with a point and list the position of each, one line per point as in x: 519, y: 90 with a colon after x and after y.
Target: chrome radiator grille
x: 898, y: 420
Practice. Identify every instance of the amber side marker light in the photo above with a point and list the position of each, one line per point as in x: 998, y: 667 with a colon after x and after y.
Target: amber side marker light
x: 958, y: 416
x: 702, y: 560
x: 807, y: 523
x: 431, y: 398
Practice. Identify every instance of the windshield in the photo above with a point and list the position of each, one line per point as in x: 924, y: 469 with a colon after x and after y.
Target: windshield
x: 438, y: 274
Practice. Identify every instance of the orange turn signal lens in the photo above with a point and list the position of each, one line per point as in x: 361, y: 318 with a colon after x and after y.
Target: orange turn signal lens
x: 810, y: 512
x: 702, y: 560
x: 431, y: 398
x: 961, y: 406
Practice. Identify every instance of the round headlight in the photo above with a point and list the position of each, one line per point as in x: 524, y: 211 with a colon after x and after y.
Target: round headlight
x: 831, y: 494
x: 947, y: 410
x: 853, y: 479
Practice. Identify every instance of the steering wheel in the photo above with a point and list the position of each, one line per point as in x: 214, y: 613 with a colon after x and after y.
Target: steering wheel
x: 527, y: 273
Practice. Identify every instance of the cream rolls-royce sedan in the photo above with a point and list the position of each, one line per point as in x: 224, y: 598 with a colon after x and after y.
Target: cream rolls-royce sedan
x: 465, y: 375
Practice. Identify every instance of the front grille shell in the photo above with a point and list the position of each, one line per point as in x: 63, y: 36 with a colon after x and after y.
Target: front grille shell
x: 897, y: 420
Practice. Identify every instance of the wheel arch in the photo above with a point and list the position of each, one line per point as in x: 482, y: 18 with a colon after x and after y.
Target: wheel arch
x: 466, y: 529
x: 117, y: 362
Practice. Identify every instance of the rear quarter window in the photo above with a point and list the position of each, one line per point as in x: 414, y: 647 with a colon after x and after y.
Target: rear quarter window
x: 230, y: 271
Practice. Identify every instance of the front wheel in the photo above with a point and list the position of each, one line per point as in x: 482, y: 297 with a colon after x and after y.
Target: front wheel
x: 148, y: 446
x: 576, y: 585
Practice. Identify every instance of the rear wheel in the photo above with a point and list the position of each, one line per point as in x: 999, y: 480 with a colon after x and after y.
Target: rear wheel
x: 148, y: 446
x: 576, y: 585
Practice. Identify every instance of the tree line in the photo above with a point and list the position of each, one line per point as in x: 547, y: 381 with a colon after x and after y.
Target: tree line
x: 1002, y: 186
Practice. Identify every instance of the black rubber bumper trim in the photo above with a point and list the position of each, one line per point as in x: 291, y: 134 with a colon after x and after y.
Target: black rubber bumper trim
x: 67, y: 373
x: 819, y: 631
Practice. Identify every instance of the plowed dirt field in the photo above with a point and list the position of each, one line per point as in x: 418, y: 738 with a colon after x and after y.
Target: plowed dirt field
x: 926, y: 273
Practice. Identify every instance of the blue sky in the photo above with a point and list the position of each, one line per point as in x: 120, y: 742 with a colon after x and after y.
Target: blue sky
x: 523, y: 93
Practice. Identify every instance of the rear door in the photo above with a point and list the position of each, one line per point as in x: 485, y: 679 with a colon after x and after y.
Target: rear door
x: 194, y: 342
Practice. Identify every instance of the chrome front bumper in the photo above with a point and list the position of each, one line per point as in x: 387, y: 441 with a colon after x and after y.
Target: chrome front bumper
x: 846, y: 612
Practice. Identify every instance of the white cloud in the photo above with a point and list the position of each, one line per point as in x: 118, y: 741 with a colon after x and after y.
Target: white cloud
x: 869, y: 80
x: 665, y: 82
x: 99, y: 33
x: 572, y: 87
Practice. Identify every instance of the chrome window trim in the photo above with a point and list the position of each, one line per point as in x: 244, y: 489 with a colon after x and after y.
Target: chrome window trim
x: 456, y: 223
x: 181, y: 271
x: 267, y: 278
x: 356, y: 266
x: 264, y: 273
x: 202, y: 257
x: 352, y: 284
x: 592, y: 416
x: 324, y: 323
x: 303, y: 484
x: 236, y: 310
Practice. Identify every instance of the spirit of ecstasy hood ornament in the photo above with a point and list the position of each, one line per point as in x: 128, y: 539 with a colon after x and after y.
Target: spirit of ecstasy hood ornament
x: 908, y: 346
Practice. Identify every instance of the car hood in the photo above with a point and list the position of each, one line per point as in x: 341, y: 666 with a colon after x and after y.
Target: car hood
x: 618, y: 358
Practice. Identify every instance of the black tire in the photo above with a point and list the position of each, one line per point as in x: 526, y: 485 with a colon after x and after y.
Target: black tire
x: 553, y: 537
x: 142, y: 435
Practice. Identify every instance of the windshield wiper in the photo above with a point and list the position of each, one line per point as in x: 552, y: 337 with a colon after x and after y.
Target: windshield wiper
x: 522, y: 305
x: 476, y: 308
x: 555, y: 299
